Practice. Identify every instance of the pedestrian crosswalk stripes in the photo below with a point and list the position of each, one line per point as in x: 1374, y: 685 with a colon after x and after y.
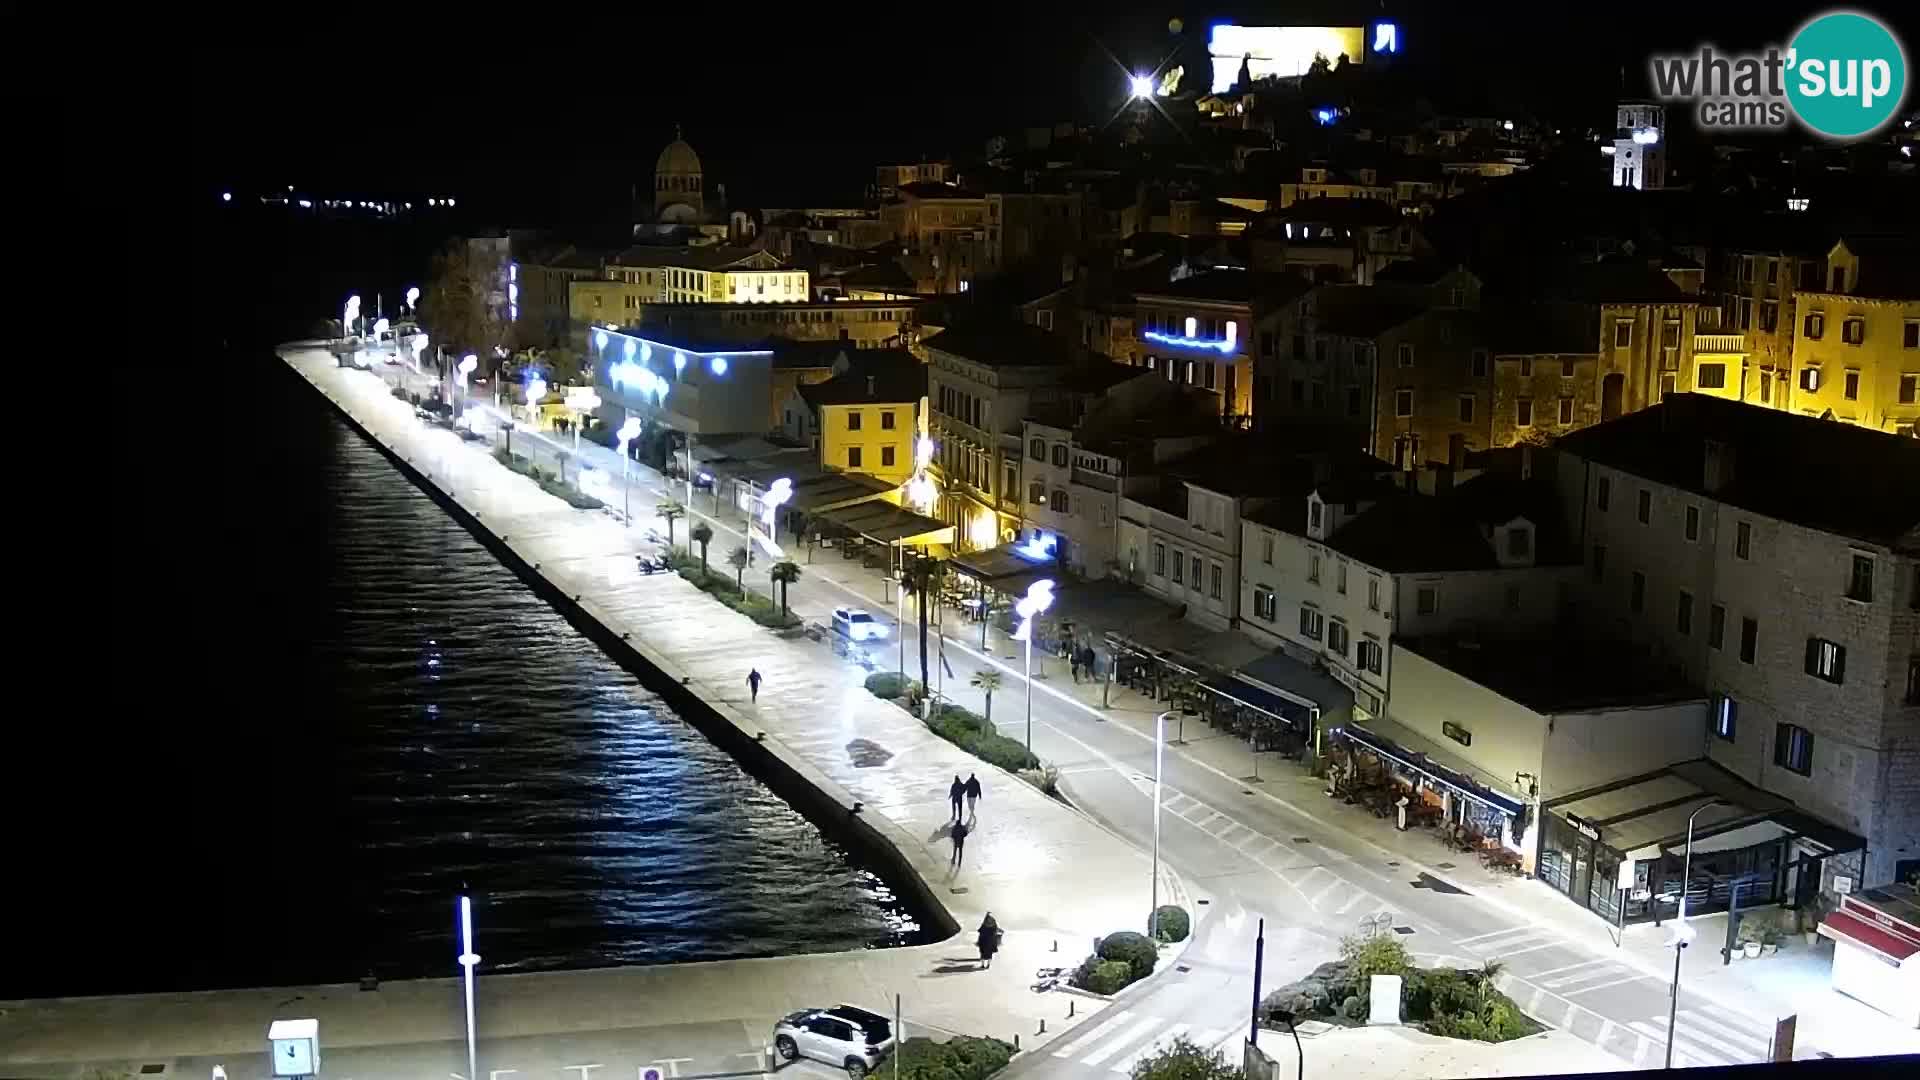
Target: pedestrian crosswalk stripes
x: 1159, y: 1043
x: 1127, y: 1038
x: 1104, y: 1029
x: 1704, y: 1035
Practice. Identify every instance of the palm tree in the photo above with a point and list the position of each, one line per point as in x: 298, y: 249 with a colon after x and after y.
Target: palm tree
x: 988, y: 680
x: 671, y: 511
x: 737, y: 558
x: 784, y: 574
x: 922, y: 579
x: 702, y: 534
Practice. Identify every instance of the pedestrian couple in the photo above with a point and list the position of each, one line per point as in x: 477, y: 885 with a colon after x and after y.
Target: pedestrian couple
x: 970, y: 789
x: 1081, y: 659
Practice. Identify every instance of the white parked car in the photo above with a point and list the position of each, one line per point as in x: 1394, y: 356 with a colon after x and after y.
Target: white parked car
x: 856, y: 625
x: 851, y: 1038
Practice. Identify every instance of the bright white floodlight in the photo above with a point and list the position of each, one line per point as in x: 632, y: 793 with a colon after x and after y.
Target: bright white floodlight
x: 1141, y: 85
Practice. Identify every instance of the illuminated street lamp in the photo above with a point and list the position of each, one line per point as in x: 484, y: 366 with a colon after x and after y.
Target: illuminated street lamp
x: 413, y: 297
x: 628, y: 432
x: 418, y: 343
x: 1141, y: 86
x: 467, y: 364
x: 920, y: 489
x: 772, y: 499
x: 1682, y: 931
x: 468, y: 958
x: 536, y: 393
x: 350, y: 315
x: 1038, y: 599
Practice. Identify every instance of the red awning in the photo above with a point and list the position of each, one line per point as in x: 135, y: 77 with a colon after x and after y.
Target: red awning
x: 1841, y: 926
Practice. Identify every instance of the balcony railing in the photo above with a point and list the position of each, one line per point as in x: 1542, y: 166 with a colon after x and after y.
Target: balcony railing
x: 1719, y: 343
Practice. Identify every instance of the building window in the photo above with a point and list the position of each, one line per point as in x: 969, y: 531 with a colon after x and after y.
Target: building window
x: 1711, y: 377
x: 1466, y: 408
x: 1909, y: 387
x: 1726, y: 713
x: 1405, y: 353
x: 1810, y: 379
x: 1826, y: 660
x: 1213, y: 580
x: 1683, y: 614
x: 1263, y: 605
x: 1373, y: 594
x: 1766, y: 388
x: 1860, y: 579
x: 1060, y: 504
x: 1037, y: 493
x: 1037, y: 450
x: 1637, y: 592
x: 1370, y: 654
x: 1716, y: 626
x: 1851, y: 386
x: 1793, y: 745
x: 1013, y: 481
x: 1523, y: 412
x: 1196, y: 572
x: 1603, y: 493
x: 853, y: 420
x: 1813, y: 325
x: 1179, y: 568
x: 1599, y: 563
x: 1622, y: 333
x: 1340, y: 578
x: 1337, y: 638
x: 886, y: 457
x: 1513, y: 598
x: 886, y: 420
x: 1266, y: 548
x: 853, y: 457
x: 1159, y: 560
x: 1743, y: 541
x: 1913, y: 680
x: 1313, y: 568
x: 1643, y: 509
x: 1566, y: 367
x: 1479, y: 363
x: 1060, y: 455
x: 1693, y: 523
x: 1526, y: 367
x: 1670, y: 334
x: 1749, y: 640
x: 1566, y: 410
x: 1910, y: 334
x: 1311, y: 624
x: 1426, y: 600
x: 1402, y: 403
x: 1853, y: 331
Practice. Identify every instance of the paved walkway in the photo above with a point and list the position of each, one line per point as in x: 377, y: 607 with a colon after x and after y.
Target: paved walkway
x: 1050, y: 875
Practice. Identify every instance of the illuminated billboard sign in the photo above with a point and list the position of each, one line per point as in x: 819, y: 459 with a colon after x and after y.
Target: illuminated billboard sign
x: 1283, y: 51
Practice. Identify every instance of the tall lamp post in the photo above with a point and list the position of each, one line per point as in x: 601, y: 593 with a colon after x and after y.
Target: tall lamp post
x: 468, y: 958
x: 629, y: 431
x: 350, y: 315
x: 1038, y: 599
x: 413, y: 298
x: 1682, y: 932
x: 467, y: 364
x: 1159, y: 747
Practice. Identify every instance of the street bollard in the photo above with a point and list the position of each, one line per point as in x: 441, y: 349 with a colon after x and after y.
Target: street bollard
x: 1016, y: 1042
x: 1070, y: 1004
x: 1043, y: 1026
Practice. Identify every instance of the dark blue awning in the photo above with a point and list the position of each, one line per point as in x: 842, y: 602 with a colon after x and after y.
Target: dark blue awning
x: 1427, y: 767
x: 1245, y: 693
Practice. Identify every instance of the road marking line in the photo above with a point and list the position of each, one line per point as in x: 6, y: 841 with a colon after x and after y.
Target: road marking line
x: 1683, y: 1042
x: 1607, y: 1028
x: 1624, y: 980
x: 1069, y: 1049
x: 1270, y: 841
x: 1643, y: 1044
x: 1756, y: 1044
x: 1125, y: 1064
x: 1352, y: 900
x: 1122, y: 1041
x: 1228, y: 831
x: 1494, y: 934
x: 1505, y: 953
x: 1314, y: 902
x: 1206, y: 824
x: 1558, y: 970
x: 1751, y: 1025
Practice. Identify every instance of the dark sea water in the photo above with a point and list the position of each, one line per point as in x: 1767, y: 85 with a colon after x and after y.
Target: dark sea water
x: 337, y: 711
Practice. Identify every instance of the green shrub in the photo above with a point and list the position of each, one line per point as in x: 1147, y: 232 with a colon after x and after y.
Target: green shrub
x: 400, y: 392
x: 724, y: 588
x: 963, y: 1057
x: 1376, y: 954
x: 1171, y: 923
x: 573, y: 497
x: 1046, y: 778
x: 892, y: 685
x: 1183, y: 1060
x: 1135, y: 950
x: 1108, y: 977
x: 969, y: 733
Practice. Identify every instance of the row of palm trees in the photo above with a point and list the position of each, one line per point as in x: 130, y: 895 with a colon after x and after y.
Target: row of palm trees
x: 783, y: 573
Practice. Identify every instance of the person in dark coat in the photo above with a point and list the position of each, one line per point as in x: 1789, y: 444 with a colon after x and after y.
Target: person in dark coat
x: 953, y: 793
x: 753, y: 683
x: 959, y: 834
x: 988, y: 940
x: 972, y: 789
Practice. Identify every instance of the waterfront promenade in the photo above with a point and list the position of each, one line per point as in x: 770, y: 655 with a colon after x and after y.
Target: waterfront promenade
x: 1048, y: 873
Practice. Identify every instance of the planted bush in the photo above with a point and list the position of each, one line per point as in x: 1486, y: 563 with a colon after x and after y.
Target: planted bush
x: 573, y: 497
x: 1171, y: 923
x: 1102, y: 976
x: 892, y: 685
x: 970, y: 733
x: 1135, y: 950
x: 963, y: 1057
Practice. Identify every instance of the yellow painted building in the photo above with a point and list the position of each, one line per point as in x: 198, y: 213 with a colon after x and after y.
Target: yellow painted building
x: 871, y: 415
x: 720, y: 275
x: 1856, y: 349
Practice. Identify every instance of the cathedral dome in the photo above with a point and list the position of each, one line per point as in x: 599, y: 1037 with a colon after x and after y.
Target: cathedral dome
x: 678, y: 159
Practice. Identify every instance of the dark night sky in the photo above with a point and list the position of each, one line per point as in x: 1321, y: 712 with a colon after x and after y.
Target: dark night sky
x: 531, y: 121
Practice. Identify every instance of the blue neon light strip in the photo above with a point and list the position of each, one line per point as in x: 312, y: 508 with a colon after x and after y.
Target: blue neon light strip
x: 1189, y: 343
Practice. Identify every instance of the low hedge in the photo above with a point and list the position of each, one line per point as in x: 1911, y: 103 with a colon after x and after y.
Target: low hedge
x: 1103, y: 976
x: 964, y: 1057
x: 968, y: 731
x: 1119, y: 961
x: 574, y: 497
x: 728, y: 591
x: 1136, y: 950
x: 1171, y: 923
x: 892, y: 685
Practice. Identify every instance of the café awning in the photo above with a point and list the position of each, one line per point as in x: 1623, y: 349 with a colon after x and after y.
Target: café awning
x: 884, y: 523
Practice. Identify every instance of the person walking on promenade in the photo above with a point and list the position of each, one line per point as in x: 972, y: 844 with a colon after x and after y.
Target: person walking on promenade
x: 959, y: 834
x: 1073, y: 662
x: 989, y: 940
x: 953, y: 793
x: 972, y: 789
x: 753, y: 684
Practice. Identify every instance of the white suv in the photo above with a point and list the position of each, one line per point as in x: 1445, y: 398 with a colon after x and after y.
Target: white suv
x: 856, y: 625
x: 849, y: 1037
